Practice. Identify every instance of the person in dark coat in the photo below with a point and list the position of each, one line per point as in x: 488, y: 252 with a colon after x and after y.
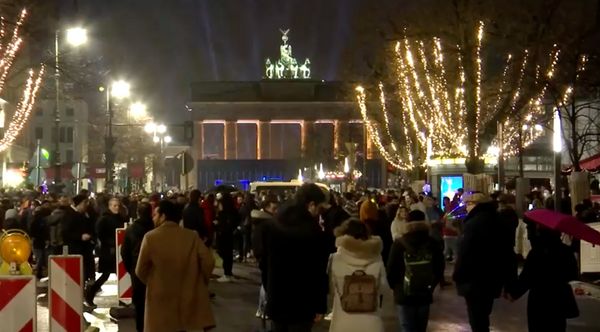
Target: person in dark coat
x: 508, y: 216
x: 193, y: 215
x: 228, y: 219
x: 245, y: 245
x: 106, y: 230
x: 333, y: 218
x: 296, y: 258
x: 375, y: 220
x: 130, y: 251
x: 486, y: 261
x: 414, y: 309
x: 261, y: 220
x: 548, y: 269
x: 40, y: 235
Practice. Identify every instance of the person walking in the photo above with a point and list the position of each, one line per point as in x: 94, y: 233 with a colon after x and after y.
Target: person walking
x: 369, y: 214
x: 228, y: 219
x: 548, y: 269
x: 485, y: 263
x: 193, y: 215
x: 175, y: 265
x: 130, y: 251
x: 262, y: 219
x: 399, y: 222
x: 358, y: 253
x: 40, y: 236
x: 106, y: 229
x: 414, y: 268
x: 296, y: 257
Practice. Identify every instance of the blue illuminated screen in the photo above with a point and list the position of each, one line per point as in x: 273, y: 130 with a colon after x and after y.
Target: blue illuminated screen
x: 449, y: 185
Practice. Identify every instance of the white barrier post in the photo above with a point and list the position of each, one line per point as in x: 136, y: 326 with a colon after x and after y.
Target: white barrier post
x: 124, y: 289
x: 65, y: 293
x: 18, y: 304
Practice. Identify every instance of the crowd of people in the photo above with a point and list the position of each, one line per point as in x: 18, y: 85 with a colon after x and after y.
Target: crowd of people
x: 313, y: 248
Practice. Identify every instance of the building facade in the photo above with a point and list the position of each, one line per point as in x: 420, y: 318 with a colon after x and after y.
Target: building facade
x: 72, y: 133
x: 249, y: 131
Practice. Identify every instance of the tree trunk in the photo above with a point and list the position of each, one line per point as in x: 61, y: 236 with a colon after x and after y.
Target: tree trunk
x: 579, y: 183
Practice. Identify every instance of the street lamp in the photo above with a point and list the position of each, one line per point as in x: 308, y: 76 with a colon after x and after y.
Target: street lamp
x: 118, y: 89
x: 138, y: 110
x: 159, y: 136
x: 557, y: 149
x: 74, y: 37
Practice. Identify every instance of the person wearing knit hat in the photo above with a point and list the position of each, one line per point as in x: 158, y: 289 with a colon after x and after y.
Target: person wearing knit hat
x: 11, y: 220
x: 77, y: 200
x: 414, y: 268
x: 486, y: 261
x: 368, y: 211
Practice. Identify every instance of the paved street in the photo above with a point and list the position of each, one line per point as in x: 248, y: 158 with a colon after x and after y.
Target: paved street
x: 235, y: 307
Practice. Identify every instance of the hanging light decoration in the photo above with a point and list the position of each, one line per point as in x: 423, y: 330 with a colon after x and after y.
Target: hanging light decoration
x: 23, y: 111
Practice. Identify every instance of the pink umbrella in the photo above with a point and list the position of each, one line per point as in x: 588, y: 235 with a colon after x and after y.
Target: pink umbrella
x: 564, y: 223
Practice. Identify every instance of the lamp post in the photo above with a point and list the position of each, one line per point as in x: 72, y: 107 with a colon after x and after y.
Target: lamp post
x: 118, y: 89
x: 557, y: 149
x: 159, y: 136
x: 74, y: 37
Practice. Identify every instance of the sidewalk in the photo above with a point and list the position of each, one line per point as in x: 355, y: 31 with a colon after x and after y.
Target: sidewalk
x: 236, y: 303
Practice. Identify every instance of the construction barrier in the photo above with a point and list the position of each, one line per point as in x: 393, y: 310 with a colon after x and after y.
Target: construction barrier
x: 18, y: 304
x: 65, y: 293
x: 124, y: 279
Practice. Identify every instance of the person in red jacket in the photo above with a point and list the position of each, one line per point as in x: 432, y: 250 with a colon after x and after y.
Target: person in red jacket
x: 208, y: 207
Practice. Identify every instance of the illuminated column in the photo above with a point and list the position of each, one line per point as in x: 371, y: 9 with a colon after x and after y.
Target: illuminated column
x: 230, y: 139
x: 369, y: 144
x: 307, y: 131
x: 198, y: 143
x: 263, y: 136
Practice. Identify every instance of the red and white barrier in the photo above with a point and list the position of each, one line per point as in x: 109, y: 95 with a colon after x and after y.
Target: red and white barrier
x: 18, y: 304
x: 65, y: 293
x: 124, y: 279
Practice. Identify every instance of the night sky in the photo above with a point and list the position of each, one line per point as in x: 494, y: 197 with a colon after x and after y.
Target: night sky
x: 162, y: 46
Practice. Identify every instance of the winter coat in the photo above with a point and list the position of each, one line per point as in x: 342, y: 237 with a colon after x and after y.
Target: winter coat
x: 397, y: 228
x: 72, y: 225
x: 296, y: 258
x: 352, y: 255
x: 380, y: 227
x: 486, y: 260
x: 333, y: 218
x: 39, y: 230
x: 508, y: 216
x: 175, y: 265
x: 548, y: 269
x: 261, y: 221
x: 106, y: 230
x: 193, y: 218
x: 130, y: 250
x: 414, y: 236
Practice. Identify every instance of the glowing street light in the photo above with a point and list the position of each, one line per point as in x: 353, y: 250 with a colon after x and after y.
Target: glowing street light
x: 557, y: 147
x: 161, y: 129
x: 150, y: 127
x: 155, y: 139
x: 556, y: 136
x: 138, y: 110
x: 321, y: 173
x: 76, y: 36
x: 120, y: 89
x: 168, y: 139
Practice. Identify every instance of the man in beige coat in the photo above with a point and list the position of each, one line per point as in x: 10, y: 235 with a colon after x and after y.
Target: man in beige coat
x: 175, y: 265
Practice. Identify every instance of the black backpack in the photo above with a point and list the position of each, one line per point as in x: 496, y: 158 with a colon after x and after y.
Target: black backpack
x: 419, y: 278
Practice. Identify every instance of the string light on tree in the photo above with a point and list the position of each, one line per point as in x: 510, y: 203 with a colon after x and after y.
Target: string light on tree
x: 431, y: 89
x: 10, y: 46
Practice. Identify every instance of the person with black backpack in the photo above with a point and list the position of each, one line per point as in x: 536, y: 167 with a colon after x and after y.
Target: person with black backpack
x: 415, y: 266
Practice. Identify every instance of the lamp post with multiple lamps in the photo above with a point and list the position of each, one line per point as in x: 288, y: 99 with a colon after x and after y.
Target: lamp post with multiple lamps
x: 160, y: 137
x: 119, y: 90
x: 75, y: 37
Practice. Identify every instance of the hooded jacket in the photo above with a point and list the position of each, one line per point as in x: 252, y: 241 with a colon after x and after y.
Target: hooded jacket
x: 486, y: 261
x: 295, y: 255
x: 355, y: 254
x: 260, y: 220
x: 414, y: 236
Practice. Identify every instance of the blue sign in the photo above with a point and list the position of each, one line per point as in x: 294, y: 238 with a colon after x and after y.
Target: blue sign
x: 449, y: 185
